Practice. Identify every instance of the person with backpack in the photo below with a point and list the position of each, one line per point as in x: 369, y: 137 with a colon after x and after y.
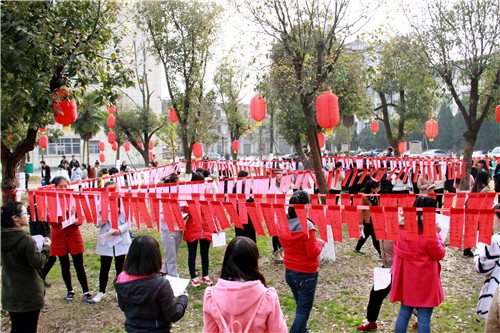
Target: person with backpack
x: 241, y: 301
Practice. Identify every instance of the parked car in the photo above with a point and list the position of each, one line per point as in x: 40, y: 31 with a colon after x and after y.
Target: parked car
x: 435, y: 153
x: 213, y: 156
x: 496, y: 152
x: 479, y: 153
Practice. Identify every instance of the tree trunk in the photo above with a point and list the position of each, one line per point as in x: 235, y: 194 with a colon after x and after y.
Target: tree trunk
x: 187, y: 153
x: 88, y: 152
x: 470, y: 142
x: 271, y: 131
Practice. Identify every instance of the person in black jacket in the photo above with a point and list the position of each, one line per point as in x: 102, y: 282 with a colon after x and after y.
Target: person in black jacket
x: 146, y: 297
x: 45, y: 173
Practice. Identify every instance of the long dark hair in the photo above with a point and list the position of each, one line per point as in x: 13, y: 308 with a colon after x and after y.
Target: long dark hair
x: 8, y: 211
x: 241, y: 261
x: 369, y: 185
x: 423, y: 201
x: 144, y: 256
x: 301, y: 198
x: 481, y: 181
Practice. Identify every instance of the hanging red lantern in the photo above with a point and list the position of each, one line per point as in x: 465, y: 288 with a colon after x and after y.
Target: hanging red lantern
x: 114, y: 146
x: 172, y: 116
x: 151, y: 144
x: 139, y: 144
x: 111, y: 137
x: 42, y: 129
x: 327, y: 111
x: 497, y: 113
x: 402, y: 147
x: 65, y: 110
x: 111, y: 121
x: 43, y: 141
x: 374, y: 127
x: 258, y: 109
x: 102, y: 146
x: 321, y: 140
x: 111, y: 109
x: 431, y: 129
x: 150, y: 155
x: 235, y: 146
x: 197, y: 150
x: 102, y: 157
x: 126, y: 146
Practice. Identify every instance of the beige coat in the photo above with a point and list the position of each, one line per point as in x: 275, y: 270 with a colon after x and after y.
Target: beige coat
x: 493, y: 320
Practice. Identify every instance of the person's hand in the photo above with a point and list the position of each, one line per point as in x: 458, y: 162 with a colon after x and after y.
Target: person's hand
x: 322, y: 242
x: 184, y: 293
x: 47, y: 241
x: 438, y: 228
x: 115, y: 232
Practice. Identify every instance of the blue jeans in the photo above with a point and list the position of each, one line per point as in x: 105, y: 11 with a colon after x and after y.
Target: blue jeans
x: 303, y: 287
x: 424, y: 319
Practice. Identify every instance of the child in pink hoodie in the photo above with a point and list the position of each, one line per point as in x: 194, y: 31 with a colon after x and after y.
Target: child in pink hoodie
x: 240, y: 299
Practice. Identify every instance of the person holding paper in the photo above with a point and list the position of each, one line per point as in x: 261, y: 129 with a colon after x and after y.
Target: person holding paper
x: 426, y: 184
x: 416, y: 273
x: 248, y: 229
x: 487, y: 263
x: 241, y: 297
x: 372, y: 188
x: 66, y: 237
x: 144, y: 295
x: 302, y: 250
x: 111, y: 243
x: 22, y: 287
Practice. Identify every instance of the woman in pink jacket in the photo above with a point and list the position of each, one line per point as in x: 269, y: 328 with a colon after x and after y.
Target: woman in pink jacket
x: 416, y: 274
x: 241, y: 301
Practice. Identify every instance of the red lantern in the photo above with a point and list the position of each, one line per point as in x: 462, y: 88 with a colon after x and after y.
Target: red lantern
x: 139, y: 144
x: 431, y: 129
x: 43, y: 141
x: 151, y: 145
x: 258, y: 109
x: 150, y: 155
x: 126, y: 146
x: 111, y: 137
x: 235, y: 146
x: 327, y: 111
x: 197, y: 150
x: 321, y: 140
x: 111, y: 121
x: 65, y: 110
x: 374, y: 127
x: 102, y: 158
x: 111, y: 109
x: 402, y: 147
x: 172, y: 116
x: 114, y: 146
x: 42, y: 129
x: 101, y: 146
x: 497, y: 113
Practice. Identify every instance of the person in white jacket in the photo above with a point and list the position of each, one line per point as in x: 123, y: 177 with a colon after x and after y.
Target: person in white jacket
x: 487, y: 263
x: 111, y: 243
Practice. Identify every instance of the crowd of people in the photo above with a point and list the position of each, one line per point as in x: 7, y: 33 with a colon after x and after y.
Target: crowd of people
x: 240, y: 300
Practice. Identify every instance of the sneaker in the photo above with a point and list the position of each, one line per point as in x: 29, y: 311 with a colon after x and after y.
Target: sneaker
x: 278, y: 259
x: 207, y: 280
x: 368, y: 325
x: 46, y: 284
x: 70, y: 296
x: 415, y: 324
x: 195, y: 282
x: 87, y: 298
x: 359, y: 251
x: 99, y: 297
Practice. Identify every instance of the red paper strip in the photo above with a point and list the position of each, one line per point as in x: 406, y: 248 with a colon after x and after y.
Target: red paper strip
x: 429, y: 215
x: 283, y: 228
x: 79, y: 213
x: 486, y: 218
x: 135, y: 209
x: 104, y: 206
x: 52, y: 207
x: 300, y: 210
x: 346, y: 177
x: 256, y: 218
x: 363, y: 176
x: 354, y: 177
x: 221, y: 215
x: 207, y: 217
x: 271, y: 198
x: 177, y: 213
x: 86, y: 210
x: 40, y: 206
x: 154, y: 204
x: 167, y: 215
x: 113, y: 205
x: 268, y: 213
x: 448, y: 202
x: 392, y: 223
x: 471, y: 227
x: 242, y: 208
x: 460, y: 203
x: 378, y: 221
x: 411, y: 225
x: 456, y: 227
x: 415, y: 175
x: 126, y: 205
x: 195, y: 213
x: 317, y: 215
x: 233, y: 214
x: 345, y: 199
x: 351, y: 216
x: 144, y: 211
x: 333, y: 218
x: 331, y: 199
x: 329, y: 179
x: 31, y: 200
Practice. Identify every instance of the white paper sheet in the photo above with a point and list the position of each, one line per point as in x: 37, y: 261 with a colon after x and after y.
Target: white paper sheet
x: 444, y: 222
x: 178, y: 285
x: 219, y: 239
x: 68, y: 222
x: 381, y: 278
x: 39, y: 239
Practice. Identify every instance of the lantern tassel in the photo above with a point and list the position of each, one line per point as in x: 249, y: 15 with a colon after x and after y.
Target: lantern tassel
x: 431, y: 139
x: 329, y: 131
x: 67, y: 128
x: 258, y: 123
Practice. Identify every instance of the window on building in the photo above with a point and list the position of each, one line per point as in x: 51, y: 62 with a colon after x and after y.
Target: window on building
x: 63, y: 146
x: 247, y: 149
x: 94, y: 147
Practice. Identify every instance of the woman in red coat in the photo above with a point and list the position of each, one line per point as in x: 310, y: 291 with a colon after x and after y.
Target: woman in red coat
x: 69, y: 239
x: 416, y: 274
